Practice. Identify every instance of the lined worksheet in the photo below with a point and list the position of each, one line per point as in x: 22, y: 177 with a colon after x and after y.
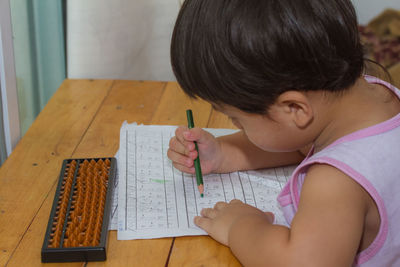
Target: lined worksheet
x: 156, y: 200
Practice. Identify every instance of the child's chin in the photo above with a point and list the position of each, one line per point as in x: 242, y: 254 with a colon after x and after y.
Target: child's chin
x: 277, y: 149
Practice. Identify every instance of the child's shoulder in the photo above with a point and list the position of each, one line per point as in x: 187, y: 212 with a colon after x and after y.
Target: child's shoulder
x: 327, y: 180
x: 332, y: 203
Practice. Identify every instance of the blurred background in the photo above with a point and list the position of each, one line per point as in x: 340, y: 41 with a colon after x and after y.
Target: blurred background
x: 43, y: 42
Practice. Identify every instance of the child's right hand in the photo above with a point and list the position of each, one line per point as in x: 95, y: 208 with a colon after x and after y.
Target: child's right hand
x: 182, y: 150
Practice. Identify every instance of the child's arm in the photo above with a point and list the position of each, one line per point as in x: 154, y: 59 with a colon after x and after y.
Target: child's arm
x: 224, y: 154
x: 326, y: 230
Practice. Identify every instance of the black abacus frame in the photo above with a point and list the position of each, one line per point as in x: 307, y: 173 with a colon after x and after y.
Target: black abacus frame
x: 73, y: 254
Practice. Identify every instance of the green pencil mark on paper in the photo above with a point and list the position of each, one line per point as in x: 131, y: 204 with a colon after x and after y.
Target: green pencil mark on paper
x: 160, y: 181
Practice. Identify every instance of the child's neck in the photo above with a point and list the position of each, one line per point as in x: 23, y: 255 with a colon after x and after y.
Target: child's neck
x: 361, y: 106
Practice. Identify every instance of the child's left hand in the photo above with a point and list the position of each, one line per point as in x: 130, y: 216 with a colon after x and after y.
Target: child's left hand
x: 218, y: 221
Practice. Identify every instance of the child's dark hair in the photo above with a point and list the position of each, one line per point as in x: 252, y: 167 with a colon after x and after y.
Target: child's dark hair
x: 245, y: 53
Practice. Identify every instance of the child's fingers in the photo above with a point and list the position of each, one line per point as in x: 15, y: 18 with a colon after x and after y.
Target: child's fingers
x: 220, y: 205
x: 179, y: 158
x: 235, y: 201
x: 209, y: 213
x: 177, y: 146
x: 195, y: 134
x: 183, y: 168
x: 202, y: 222
x: 184, y: 147
x: 179, y: 133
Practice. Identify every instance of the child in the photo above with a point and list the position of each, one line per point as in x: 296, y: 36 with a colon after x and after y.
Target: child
x: 289, y: 73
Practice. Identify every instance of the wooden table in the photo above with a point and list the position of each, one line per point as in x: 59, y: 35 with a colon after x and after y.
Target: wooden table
x: 83, y: 119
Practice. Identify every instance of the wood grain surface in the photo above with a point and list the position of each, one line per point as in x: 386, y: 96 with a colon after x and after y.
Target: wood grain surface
x: 83, y: 119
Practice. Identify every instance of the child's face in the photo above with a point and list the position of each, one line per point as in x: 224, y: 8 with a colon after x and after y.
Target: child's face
x: 275, y: 132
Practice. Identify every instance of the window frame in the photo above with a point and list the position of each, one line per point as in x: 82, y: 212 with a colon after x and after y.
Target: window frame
x: 8, y: 81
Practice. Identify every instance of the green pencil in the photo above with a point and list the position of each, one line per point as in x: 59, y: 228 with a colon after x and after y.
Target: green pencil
x: 197, y: 167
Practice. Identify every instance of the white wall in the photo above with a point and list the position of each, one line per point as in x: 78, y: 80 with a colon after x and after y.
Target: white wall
x: 368, y: 9
x: 130, y: 39
x: 120, y: 39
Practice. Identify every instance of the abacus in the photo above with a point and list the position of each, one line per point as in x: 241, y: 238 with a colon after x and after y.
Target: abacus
x: 78, y: 224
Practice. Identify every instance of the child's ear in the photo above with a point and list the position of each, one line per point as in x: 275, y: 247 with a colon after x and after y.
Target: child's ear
x: 297, y: 106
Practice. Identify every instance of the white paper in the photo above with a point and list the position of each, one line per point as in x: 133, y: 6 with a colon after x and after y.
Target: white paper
x: 156, y: 200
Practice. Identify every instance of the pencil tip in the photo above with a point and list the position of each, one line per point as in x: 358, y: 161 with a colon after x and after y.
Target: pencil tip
x: 201, y: 190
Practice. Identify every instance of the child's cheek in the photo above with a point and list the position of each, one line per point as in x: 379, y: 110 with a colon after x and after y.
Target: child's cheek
x: 267, y: 143
x: 237, y: 124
